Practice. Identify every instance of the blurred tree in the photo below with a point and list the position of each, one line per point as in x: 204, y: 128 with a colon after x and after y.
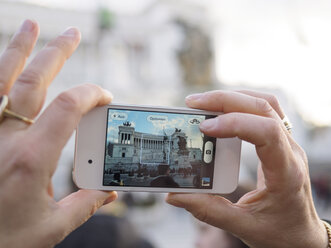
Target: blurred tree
x: 106, y: 19
x: 196, y: 57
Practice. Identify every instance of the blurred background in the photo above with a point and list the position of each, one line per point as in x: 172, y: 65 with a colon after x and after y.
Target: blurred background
x: 158, y: 51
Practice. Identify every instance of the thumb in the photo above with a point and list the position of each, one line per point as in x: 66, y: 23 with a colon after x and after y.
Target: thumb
x: 212, y: 209
x: 77, y: 208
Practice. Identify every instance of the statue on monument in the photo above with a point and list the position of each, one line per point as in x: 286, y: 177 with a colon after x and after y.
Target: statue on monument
x: 127, y: 124
x: 182, y: 146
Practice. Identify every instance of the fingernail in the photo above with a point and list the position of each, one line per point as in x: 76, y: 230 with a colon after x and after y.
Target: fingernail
x: 108, y: 94
x: 71, y: 32
x: 27, y: 26
x: 111, y: 198
x: 207, y: 124
x: 194, y: 97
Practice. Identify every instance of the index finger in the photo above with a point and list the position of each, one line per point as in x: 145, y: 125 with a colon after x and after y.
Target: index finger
x: 271, y: 99
x: 230, y: 101
x: 55, y: 126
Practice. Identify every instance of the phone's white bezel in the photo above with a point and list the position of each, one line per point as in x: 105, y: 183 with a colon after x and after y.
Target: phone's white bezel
x: 90, y: 144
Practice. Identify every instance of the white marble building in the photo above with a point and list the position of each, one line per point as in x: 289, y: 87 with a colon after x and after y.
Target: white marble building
x: 136, y: 148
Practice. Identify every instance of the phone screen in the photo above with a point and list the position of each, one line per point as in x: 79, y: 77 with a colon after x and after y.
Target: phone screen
x: 157, y: 149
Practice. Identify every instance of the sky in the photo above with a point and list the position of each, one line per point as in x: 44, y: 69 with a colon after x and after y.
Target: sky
x: 281, y: 44
x: 155, y: 123
x: 278, y: 44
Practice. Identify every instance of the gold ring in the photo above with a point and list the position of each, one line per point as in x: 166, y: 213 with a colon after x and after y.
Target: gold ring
x: 287, y: 124
x: 328, y: 230
x: 5, y: 112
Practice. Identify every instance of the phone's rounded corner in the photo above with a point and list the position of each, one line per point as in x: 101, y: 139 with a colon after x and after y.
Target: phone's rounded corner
x: 231, y: 189
x: 74, y: 179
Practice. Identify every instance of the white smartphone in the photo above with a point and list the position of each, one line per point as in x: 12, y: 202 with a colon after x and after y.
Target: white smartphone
x: 154, y: 149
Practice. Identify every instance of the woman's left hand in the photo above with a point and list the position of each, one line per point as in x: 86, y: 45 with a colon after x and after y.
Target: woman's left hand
x: 280, y: 212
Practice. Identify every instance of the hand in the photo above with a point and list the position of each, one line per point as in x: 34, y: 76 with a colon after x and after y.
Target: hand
x: 280, y: 213
x: 29, y: 216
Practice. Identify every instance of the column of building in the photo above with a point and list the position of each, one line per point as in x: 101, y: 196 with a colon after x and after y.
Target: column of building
x: 144, y: 143
x: 125, y: 138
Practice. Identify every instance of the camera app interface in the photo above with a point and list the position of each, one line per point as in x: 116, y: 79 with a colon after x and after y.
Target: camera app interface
x: 153, y: 149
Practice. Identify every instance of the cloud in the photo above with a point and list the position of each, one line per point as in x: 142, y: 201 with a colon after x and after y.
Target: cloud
x: 170, y: 125
x: 112, y: 134
x: 111, y: 129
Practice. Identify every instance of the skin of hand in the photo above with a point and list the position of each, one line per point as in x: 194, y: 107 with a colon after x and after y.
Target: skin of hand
x: 280, y: 212
x: 29, y: 216
x: 211, y: 237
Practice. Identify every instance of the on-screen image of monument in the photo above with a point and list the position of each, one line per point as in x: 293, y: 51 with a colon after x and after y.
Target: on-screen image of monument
x: 148, y: 149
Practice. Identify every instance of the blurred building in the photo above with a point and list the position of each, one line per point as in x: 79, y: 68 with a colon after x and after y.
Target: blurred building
x: 156, y: 52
